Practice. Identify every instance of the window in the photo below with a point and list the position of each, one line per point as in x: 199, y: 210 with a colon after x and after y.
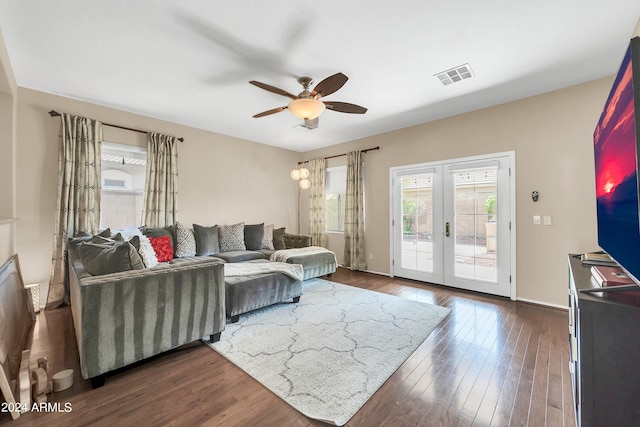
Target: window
x: 114, y: 183
x: 123, y: 180
x: 335, y: 189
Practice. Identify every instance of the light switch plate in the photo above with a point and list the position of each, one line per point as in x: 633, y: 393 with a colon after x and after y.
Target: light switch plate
x: 546, y: 220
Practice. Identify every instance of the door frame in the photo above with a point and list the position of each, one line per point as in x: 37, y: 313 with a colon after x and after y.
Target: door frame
x: 512, y: 206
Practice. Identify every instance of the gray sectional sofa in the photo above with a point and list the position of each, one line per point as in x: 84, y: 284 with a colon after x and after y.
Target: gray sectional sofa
x: 124, y: 317
x: 125, y: 311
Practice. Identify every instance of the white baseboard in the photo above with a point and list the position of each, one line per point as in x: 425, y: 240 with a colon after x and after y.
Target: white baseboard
x: 546, y: 304
x: 377, y: 272
x: 527, y: 300
x: 371, y: 271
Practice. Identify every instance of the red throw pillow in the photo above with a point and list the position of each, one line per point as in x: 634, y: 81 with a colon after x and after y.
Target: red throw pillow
x: 162, y: 248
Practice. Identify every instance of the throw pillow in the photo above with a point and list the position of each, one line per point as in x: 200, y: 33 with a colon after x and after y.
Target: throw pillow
x: 231, y: 237
x: 185, y: 241
x: 118, y: 237
x: 146, y: 251
x: 83, y: 236
x: 206, y: 240
x: 267, y: 238
x: 136, y: 242
x: 103, y: 240
x: 159, y: 232
x: 105, y: 233
x: 278, y: 239
x: 99, y: 259
x: 253, y: 235
x: 162, y: 248
x: 137, y: 261
x: 144, y: 247
x: 73, y: 242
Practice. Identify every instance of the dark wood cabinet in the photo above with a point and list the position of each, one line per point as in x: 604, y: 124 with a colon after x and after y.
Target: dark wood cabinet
x: 604, y: 349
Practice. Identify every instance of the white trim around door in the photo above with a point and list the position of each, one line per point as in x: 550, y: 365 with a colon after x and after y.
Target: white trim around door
x: 438, y: 219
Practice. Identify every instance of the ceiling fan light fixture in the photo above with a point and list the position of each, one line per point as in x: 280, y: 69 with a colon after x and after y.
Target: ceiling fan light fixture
x: 306, y: 108
x: 304, y: 173
x: 305, y: 184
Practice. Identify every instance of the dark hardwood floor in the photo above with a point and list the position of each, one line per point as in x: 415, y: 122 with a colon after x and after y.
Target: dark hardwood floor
x: 491, y: 362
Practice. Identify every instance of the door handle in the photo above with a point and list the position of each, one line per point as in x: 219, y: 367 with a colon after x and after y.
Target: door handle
x: 447, y: 230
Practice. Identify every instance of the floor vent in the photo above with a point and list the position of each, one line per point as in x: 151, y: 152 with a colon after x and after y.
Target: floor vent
x: 456, y: 74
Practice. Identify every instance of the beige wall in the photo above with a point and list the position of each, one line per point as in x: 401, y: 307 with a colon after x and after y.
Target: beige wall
x: 551, y: 135
x: 223, y: 180
x: 8, y: 89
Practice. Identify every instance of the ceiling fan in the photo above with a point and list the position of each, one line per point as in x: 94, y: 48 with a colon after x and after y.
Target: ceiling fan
x: 307, y: 104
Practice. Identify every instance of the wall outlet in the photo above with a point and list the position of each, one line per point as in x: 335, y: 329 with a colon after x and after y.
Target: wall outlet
x: 536, y: 219
x: 370, y: 255
x: 546, y: 220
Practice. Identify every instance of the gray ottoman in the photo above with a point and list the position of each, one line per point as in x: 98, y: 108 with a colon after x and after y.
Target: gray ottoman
x: 315, y: 264
x: 253, y: 291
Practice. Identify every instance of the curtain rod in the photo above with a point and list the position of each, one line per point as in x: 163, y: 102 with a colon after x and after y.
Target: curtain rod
x: 54, y: 113
x: 340, y: 155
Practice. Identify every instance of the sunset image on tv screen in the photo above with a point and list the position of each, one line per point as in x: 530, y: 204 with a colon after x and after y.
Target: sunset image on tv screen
x: 616, y: 172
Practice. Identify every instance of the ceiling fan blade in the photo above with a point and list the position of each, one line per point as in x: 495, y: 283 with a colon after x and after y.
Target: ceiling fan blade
x: 345, y: 107
x: 311, y: 124
x: 273, y: 89
x: 330, y: 85
x: 272, y: 111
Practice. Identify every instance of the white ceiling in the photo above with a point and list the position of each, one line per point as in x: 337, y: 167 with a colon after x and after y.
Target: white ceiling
x: 190, y: 62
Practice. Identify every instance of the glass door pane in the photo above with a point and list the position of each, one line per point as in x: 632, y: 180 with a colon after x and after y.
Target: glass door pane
x: 417, y: 222
x: 475, y: 224
x: 451, y: 223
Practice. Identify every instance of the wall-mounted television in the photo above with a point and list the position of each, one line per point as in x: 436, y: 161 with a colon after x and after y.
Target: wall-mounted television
x: 616, y: 139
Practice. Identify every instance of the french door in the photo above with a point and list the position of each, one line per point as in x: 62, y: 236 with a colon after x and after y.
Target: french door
x: 452, y: 223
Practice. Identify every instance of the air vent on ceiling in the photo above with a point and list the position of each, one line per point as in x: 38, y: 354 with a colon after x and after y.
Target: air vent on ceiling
x: 456, y: 74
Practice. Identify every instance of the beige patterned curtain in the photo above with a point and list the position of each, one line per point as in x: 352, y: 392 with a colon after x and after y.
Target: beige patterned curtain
x: 79, y: 188
x: 354, y: 248
x: 161, y: 191
x: 317, y: 201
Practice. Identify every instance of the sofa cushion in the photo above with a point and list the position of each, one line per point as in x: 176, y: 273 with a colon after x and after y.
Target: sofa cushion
x: 239, y: 256
x: 231, y: 237
x: 253, y: 235
x: 162, y: 247
x: 83, y: 236
x: 267, y: 237
x: 185, y: 241
x: 278, y: 238
x: 99, y: 239
x: 159, y: 232
x: 206, y: 240
x: 266, y: 252
x: 292, y: 241
x: 252, y: 291
x: 144, y: 247
x: 75, y: 241
x: 99, y: 259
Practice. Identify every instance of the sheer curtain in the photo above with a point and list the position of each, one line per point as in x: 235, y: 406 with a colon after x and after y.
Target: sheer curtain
x: 354, y: 257
x: 79, y: 188
x: 161, y: 191
x: 317, y: 200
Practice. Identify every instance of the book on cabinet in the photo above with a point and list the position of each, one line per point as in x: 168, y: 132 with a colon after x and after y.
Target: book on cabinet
x: 610, y: 276
x: 597, y: 258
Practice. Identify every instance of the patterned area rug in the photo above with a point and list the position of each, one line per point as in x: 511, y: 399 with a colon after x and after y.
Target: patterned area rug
x: 328, y: 354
